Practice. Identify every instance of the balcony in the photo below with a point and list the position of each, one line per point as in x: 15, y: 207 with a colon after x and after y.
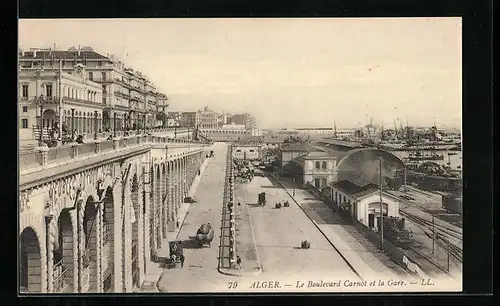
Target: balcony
x: 123, y: 83
x: 121, y: 94
x: 138, y: 89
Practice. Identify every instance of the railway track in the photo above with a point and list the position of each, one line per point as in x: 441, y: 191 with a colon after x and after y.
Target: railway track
x: 437, y: 227
x: 442, y: 235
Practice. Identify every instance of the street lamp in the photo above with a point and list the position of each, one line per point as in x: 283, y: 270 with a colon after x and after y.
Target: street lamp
x: 293, y: 187
x: 40, y: 102
x: 72, y: 124
x: 95, y: 125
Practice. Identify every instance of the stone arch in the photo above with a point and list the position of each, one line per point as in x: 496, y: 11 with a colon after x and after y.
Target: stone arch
x: 31, y: 261
x: 108, y: 218
x: 50, y: 117
x: 134, y: 196
x: 90, y: 243
x: 361, y: 166
x: 64, y: 253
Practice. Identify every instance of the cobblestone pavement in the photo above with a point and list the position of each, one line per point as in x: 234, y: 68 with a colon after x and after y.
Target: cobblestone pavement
x: 200, y: 268
x: 279, y: 233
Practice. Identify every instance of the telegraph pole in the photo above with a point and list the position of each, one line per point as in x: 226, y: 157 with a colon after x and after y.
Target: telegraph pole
x: 448, y: 253
x: 433, y: 234
x: 381, y: 205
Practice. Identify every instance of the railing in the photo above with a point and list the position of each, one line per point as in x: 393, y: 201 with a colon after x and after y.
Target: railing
x: 43, y: 156
x: 86, y: 149
x: 64, y: 153
x: 59, y: 277
x: 29, y: 159
x: 106, y: 145
x: 122, y: 142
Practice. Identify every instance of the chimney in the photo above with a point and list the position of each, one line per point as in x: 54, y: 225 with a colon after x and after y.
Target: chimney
x: 79, y: 50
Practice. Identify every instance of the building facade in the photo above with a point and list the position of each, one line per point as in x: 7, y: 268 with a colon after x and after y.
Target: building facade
x: 207, y: 119
x: 362, y: 203
x: 247, y: 152
x: 128, y: 97
x: 188, y: 119
x: 78, y: 99
x: 245, y: 119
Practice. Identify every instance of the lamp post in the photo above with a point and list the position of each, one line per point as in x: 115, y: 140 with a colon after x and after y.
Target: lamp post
x: 293, y: 187
x: 40, y: 102
x: 72, y: 124
x: 114, y: 124
x: 95, y: 125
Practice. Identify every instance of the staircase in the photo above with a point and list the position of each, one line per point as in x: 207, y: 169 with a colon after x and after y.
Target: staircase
x: 46, y: 133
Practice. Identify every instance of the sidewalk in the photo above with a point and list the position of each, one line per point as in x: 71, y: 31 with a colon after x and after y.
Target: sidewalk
x: 245, y: 239
x: 155, y: 269
x: 355, y: 249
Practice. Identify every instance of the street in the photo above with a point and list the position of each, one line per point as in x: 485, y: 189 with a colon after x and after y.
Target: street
x: 279, y: 232
x: 200, y: 268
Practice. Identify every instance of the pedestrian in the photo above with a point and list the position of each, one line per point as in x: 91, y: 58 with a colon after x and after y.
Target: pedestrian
x: 182, y: 260
x: 238, y: 261
x: 177, y: 223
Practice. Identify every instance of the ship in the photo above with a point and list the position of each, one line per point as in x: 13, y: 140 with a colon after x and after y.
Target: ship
x: 431, y: 177
x: 417, y: 156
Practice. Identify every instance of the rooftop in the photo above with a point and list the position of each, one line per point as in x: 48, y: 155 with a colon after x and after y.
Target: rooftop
x: 68, y: 54
x: 301, y: 147
x: 353, y: 189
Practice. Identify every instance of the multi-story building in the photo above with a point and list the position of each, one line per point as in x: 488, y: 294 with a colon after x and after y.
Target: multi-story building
x: 127, y: 95
x: 244, y: 119
x: 206, y: 119
x: 161, y: 109
x: 45, y: 96
x: 188, y: 119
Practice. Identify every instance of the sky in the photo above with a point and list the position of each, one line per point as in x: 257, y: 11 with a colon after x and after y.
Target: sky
x: 285, y: 72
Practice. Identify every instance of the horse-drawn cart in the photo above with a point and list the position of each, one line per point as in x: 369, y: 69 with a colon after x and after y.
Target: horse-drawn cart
x: 205, y: 235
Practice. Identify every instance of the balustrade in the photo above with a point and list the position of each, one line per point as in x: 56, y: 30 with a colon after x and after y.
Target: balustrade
x: 44, y: 155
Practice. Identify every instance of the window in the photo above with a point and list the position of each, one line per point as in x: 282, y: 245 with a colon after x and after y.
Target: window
x: 103, y: 76
x: 317, y: 165
x: 91, y: 76
x: 24, y: 123
x: 25, y: 109
x: 48, y: 88
x: 252, y: 151
x: 25, y: 91
x: 323, y: 182
x: 323, y: 165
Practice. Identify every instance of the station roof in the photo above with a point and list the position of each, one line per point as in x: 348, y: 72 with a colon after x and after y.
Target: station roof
x: 301, y: 147
x: 353, y: 189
